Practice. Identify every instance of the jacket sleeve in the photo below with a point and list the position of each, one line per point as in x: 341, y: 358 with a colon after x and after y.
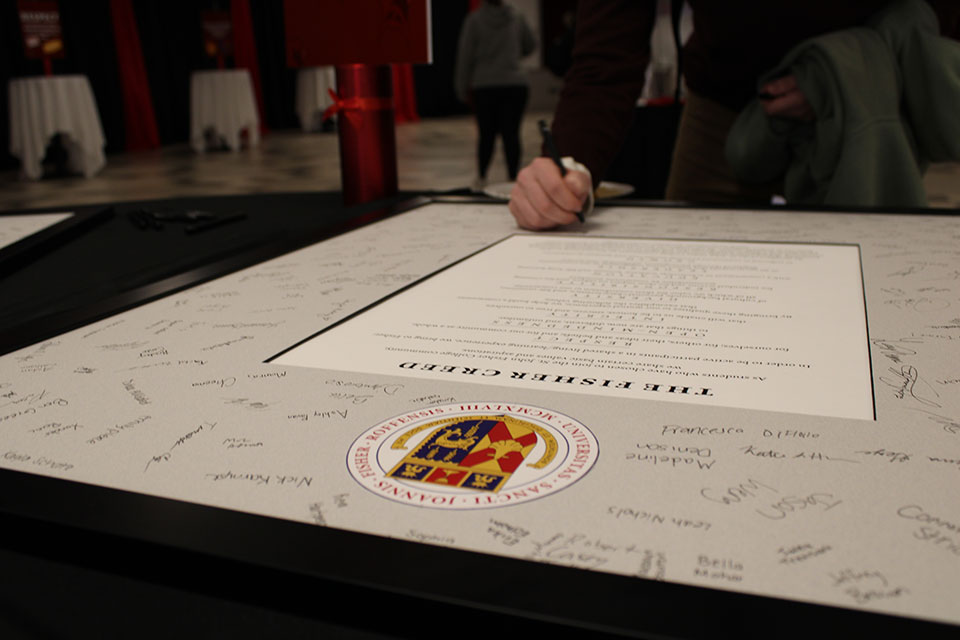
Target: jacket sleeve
x: 610, y: 55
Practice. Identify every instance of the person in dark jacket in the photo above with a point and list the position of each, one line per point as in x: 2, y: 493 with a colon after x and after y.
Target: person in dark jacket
x: 488, y: 77
x: 732, y: 45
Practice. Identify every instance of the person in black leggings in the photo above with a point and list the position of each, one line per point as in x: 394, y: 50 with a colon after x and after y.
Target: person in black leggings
x: 499, y: 111
x: 488, y: 77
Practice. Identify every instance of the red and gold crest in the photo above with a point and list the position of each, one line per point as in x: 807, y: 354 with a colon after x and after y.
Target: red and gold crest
x: 473, y: 452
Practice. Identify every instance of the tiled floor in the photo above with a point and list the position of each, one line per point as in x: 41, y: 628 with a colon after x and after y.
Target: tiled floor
x: 432, y: 154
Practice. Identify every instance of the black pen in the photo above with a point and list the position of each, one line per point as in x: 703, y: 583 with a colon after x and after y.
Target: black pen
x: 552, y: 150
x: 200, y: 227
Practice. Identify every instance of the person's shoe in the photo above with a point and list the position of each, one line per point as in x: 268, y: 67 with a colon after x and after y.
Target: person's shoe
x: 478, y: 184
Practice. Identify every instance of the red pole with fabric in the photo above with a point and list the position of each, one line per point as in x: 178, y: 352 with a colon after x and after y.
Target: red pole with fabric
x: 138, y: 117
x: 404, y: 96
x: 362, y: 40
x: 368, y: 147
x: 245, y: 51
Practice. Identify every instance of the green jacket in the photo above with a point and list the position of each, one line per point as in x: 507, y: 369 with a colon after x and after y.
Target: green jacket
x: 887, y: 102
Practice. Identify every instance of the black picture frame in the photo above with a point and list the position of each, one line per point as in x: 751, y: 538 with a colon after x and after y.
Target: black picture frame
x: 361, y: 581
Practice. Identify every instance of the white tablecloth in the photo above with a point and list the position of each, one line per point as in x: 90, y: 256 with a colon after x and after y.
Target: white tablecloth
x: 222, y: 100
x: 41, y: 107
x: 312, y: 95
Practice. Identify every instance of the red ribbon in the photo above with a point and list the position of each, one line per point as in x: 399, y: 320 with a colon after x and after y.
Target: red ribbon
x: 350, y: 106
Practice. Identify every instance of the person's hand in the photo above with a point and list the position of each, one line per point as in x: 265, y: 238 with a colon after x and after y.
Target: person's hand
x: 542, y: 198
x: 787, y: 100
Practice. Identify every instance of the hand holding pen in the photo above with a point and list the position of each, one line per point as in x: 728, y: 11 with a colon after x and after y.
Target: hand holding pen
x: 546, y: 194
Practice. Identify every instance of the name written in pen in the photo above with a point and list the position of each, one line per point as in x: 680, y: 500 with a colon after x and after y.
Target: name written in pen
x: 166, y: 455
x: 904, y: 382
x: 261, y: 479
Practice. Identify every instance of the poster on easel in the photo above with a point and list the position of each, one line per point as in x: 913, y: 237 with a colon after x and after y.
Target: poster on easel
x: 377, y: 32
x: 217, y: 35
x: 41, y: 31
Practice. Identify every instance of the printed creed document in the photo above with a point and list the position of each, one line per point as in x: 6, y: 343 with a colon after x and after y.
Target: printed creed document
x: 752, y: 325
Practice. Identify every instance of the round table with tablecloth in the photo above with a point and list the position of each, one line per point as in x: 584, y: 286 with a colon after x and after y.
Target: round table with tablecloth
x: 313, y: 95
x: 222, y: 103
x: 43, y: 106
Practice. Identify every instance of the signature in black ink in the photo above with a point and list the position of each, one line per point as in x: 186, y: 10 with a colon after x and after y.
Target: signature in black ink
x: 790, y: 504
x: 908, y: 271
x: 949, y: 425
x: 953, y: 275
x: 354, y: 398
x: 849, y: 575
x: 903, y: 300
x: 337, y: 308
x: 316, y: 512
x: 905, y: 381
x: 247, y: 403
x: 388, y: 389
x: 895, y: 349
x: 733, y: 495
x: 165, y: 456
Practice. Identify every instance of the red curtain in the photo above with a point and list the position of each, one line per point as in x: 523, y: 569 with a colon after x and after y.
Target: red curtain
x: 139, y: 120
x: 245, y: 50
x: 404, y: 97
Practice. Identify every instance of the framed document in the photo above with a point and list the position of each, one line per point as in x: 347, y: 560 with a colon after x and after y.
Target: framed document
x: 747, y: 414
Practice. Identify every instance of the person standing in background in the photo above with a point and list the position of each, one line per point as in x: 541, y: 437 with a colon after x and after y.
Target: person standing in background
x: 733, y: 45
x: 488, y: 78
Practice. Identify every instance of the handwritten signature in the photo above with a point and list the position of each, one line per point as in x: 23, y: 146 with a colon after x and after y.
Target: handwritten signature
x: 903, y: 300
x: 904, y: 381
x: 950, y: 425
x: 895, y: 349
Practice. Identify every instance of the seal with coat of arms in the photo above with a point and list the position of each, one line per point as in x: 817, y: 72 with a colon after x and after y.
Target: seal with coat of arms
x: 472, y: 455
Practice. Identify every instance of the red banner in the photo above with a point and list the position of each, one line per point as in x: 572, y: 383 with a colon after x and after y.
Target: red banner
x: 140, y: 123
x: 40, y: 26
x: 357, y: 32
